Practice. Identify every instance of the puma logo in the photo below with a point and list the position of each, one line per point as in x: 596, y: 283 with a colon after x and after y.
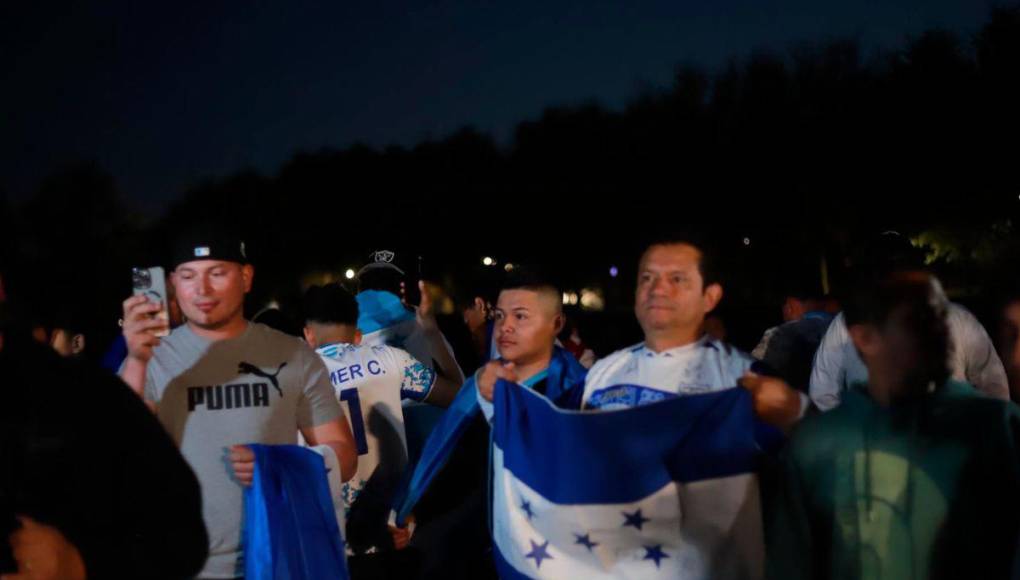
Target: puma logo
x: 250, y: 369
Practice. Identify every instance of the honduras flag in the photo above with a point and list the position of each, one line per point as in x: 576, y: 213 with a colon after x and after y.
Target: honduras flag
x: 665, y: 490
x: 564, y: 384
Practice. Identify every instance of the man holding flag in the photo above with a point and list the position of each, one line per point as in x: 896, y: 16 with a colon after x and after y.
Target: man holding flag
x: 665, y: 490
x: 678, y: 284
x: 528, y: 316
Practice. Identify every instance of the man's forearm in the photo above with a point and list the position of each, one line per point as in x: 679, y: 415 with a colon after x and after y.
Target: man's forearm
x: 336, y: 435
x: 445, y: 361
x: 443, y: 392
x: 133, y: 373
x: 346, y: 456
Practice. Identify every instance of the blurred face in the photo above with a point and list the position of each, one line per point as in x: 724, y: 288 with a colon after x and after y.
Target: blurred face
x: 67, y: 344
x: 793, y: 309
x: 670, y: 293
x: 905, y: 353
x: 476, y: 315
x: 904, y: 348
x: 211, y: 292
x: 526, y: 325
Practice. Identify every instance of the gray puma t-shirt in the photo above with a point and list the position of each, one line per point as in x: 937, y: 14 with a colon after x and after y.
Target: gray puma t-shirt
x: 260, y: 387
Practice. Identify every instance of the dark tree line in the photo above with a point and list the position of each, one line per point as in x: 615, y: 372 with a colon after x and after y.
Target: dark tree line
x: 800, y: 152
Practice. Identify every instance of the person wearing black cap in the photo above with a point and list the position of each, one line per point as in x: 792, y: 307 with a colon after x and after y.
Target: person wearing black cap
x: 385, y: 319
x: 220, y: 382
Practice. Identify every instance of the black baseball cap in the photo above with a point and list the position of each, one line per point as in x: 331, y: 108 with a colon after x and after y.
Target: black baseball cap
x: 382, y: 260
x: 208, y: 244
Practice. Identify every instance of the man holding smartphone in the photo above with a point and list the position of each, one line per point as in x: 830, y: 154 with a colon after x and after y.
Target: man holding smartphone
x: 220, y: 382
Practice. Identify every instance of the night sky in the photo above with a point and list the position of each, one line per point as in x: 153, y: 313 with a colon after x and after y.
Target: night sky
x: 164, y: 96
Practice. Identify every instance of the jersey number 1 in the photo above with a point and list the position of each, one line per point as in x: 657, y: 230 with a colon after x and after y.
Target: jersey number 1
x: 357, y: 422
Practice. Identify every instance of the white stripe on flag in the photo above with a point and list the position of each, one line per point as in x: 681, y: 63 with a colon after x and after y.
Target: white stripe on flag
x: 717, y: 536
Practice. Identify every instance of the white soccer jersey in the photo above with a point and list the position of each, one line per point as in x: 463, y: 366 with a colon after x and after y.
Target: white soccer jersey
x: 371, y: 381
x: 637, y: 375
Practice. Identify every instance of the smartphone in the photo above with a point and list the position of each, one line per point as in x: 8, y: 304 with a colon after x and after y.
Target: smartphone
x: 151, y: 283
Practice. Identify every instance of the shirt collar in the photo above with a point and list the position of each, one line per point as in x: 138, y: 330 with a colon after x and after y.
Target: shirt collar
x: 539, y: 377
x: 332, y: 346
x: 817, y: 315
x: 704, y: 341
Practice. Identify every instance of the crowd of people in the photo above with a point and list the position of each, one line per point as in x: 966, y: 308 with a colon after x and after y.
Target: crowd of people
x: 889, y: 444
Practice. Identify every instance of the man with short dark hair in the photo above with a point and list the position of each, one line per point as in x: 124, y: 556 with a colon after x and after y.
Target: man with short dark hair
x: 789, y: 349
x: 67, y: 333
x: 678, y: 285
x: 528, y: 316
x: 371, y: 381
x: 475, y: 301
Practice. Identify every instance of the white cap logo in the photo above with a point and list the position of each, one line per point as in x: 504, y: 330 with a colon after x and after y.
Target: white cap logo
x: 383, y: 256
x: 201, y: 251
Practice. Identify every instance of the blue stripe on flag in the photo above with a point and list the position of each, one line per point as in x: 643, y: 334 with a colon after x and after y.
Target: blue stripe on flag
x: 572, y: 457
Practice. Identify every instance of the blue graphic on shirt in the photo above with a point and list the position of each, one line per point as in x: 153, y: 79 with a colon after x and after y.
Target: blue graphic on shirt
x: 417, y: 381
x: 625, y: 397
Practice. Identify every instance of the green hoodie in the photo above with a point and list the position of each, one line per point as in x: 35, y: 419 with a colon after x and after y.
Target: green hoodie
x: 931, y: 490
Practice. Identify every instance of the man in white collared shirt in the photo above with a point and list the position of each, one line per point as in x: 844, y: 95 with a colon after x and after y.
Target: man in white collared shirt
x: 677, y: 287
x: 639, y: 375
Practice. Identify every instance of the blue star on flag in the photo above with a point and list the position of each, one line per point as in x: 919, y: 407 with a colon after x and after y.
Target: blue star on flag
x: 655, y: 553
x: 526, y: 507
x: 539, y: 553
x: 635, y: 519
x: 585, y: 541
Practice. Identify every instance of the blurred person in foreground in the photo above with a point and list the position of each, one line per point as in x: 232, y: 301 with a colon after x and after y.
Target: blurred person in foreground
x: 916, y: 474
x: 91, y: 486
